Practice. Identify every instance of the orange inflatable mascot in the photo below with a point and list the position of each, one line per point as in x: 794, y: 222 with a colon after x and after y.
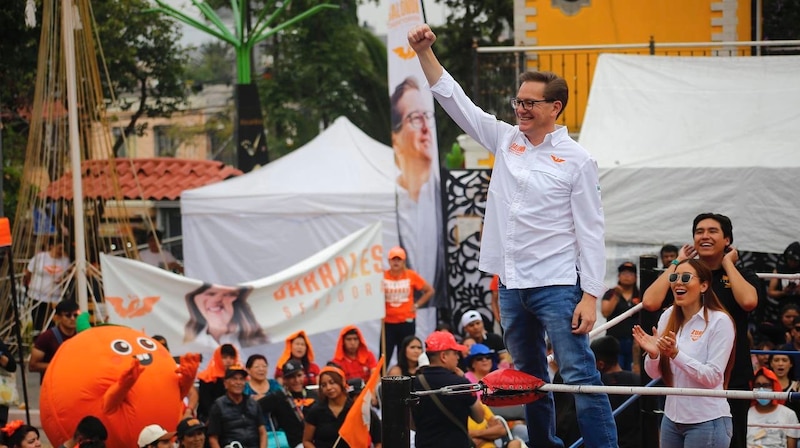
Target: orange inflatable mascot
x: 119, y: 375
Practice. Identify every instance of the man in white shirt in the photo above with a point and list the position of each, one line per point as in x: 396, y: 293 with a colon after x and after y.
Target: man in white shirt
x: 543, y: 235
x: 154, y: 256
x: 46, y: 277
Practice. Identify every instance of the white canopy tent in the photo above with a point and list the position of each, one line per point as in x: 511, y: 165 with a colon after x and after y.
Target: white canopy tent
x: 262, y: 222
x: 678, y: 136
x: 266, y: 220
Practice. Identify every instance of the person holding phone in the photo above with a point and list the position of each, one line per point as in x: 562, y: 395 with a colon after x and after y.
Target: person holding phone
x: 737, y: 289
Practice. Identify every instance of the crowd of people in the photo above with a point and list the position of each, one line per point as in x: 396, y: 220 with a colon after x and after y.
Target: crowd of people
x: 543, y: 239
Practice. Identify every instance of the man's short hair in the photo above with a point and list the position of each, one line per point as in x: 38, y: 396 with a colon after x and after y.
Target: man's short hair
x: 91, y: 428
x: 67, y: 306
x: 724, y: 223
x: 409, y: 83
x: 606, y: 349
x: 227, y: 350
x: 352, y: 332
x: 555, y: 87
x: 669, y: 248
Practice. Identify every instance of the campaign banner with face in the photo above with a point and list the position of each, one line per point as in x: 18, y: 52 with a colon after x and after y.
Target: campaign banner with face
x: 338, y: 286
x: 416, y: 151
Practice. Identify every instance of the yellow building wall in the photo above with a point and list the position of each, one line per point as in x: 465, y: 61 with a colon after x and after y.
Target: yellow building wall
x: 609, y: 22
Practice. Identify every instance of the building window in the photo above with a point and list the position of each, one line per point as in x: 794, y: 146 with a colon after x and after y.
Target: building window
x: 128, y: 146
x: 166, y: 144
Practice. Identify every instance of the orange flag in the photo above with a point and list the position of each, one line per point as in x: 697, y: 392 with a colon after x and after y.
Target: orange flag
x: 355, y: 429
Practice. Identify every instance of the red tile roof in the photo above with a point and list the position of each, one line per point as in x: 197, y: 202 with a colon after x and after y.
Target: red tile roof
x: 155, y: 179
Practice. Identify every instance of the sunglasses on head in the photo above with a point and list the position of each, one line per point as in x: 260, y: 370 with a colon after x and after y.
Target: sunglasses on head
x: 686, y: 277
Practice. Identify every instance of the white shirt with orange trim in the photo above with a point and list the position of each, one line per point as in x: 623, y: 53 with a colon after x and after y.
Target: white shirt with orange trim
x: 544, y: 221
x: 703, y: 353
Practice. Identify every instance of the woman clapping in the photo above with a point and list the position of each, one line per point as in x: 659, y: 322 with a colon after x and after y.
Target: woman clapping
x: 692, y: 348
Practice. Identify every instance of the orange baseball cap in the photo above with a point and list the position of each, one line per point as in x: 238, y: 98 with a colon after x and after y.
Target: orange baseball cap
x: 397, y: 252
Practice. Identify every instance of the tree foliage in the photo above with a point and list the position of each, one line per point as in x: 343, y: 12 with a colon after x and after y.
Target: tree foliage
x: 470, y: 22
x: 213, y: 62
x: 144, y: 57
x: 324, y: 67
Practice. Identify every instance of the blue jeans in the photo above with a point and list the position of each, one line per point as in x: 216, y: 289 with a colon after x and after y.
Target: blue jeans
x: 626, y: 353
x: 712, y: 434
x: 526, y: 314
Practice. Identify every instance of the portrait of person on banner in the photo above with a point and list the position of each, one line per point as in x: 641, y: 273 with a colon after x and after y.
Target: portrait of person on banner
x: 418, y: 202
x: 221, y: 315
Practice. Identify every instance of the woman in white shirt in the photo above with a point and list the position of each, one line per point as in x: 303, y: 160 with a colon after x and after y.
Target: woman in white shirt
x: 692, y: 348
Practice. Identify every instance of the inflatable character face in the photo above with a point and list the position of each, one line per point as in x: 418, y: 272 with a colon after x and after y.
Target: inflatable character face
x: 116, y: 373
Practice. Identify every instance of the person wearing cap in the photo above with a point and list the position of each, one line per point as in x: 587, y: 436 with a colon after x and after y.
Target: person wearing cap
x: 235, y: 417
x: 618, y: 300
x: 154, y: 436
x: 211, y: 381
x: 399, y: 286
x: 289, y: 406
x: 472, y: 326
x: 480, y: 361
x: 434, y: 428
x: 738, y: 289
x: 191, y: 433
x: 353, y: 355
x: 46, y: 344
x: 606, y: 353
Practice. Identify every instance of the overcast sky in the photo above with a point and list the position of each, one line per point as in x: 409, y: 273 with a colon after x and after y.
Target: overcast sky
x: 375, y: 15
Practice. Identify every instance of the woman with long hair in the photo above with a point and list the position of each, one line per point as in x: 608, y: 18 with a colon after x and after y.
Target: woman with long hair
x: 407, y: 357
x: 327, y: 415
x: 221, y: 315
x: 298, y: 347
x: 17, y: 434
x: 692, y: 348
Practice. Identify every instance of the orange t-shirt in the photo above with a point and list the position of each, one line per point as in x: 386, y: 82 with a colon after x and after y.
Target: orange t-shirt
x: 399, y: 293
x: 494, y: 285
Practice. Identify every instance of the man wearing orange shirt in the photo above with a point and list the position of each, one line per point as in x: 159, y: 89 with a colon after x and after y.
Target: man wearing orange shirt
x: 399, y: 286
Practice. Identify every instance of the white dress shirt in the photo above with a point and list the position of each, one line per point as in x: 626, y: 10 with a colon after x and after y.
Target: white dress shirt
x: 544, y: 220
x: 703, y: 353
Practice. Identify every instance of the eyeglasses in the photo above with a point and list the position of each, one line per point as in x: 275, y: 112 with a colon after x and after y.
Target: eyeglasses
x: 767, y: 386
x: 481, y: 358
x: 526, y: 104
x: 416, y: 119
x: 686, y: 277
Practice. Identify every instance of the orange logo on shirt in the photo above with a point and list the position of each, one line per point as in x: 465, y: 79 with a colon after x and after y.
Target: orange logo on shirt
x: 136, y: 307
x: 556, y: 158
x: 695, y: 335
x: 516, y: 148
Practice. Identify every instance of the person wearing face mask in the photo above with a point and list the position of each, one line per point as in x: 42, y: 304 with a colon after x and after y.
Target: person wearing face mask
x: 764, y: 411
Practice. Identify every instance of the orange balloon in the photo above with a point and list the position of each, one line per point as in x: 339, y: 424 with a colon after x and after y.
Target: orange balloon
x: 117, y: 374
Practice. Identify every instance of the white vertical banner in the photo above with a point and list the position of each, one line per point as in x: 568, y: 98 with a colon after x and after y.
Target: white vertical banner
x: 416, y: 150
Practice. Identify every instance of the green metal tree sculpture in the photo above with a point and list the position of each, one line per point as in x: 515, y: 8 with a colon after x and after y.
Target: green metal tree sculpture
x: 251, y: 144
